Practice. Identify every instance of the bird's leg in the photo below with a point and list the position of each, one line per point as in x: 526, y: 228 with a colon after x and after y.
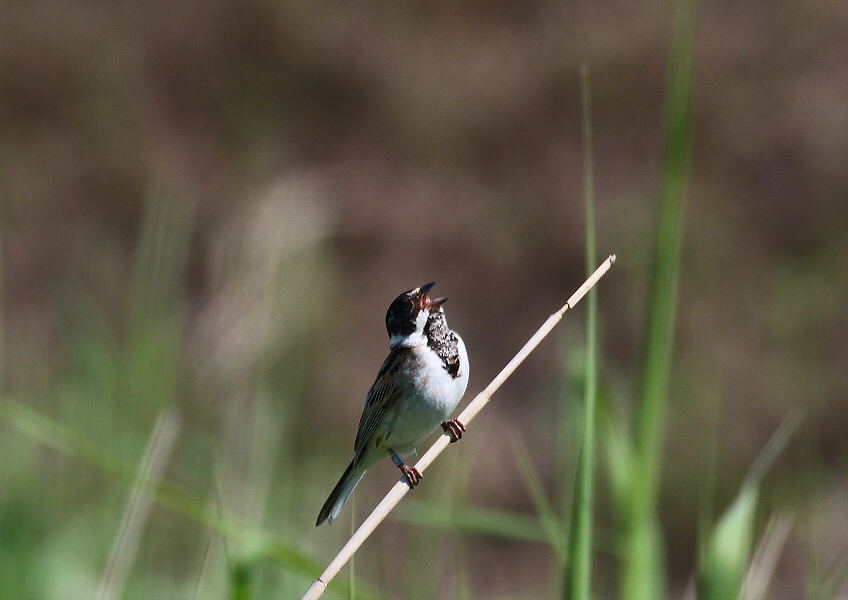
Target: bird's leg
x: 454, y: 428
x: 411, y: 473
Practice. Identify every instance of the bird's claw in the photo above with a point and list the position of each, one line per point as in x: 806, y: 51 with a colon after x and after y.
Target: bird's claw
x: 413, y: 477
x: 454, y: 428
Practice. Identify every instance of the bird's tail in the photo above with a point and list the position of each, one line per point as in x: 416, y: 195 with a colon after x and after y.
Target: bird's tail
x: 333, y: 506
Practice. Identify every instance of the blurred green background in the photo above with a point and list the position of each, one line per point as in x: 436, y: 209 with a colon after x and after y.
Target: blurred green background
x: 208, y: 206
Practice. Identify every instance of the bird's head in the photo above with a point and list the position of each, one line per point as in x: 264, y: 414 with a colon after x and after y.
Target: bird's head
x: 408, y: 314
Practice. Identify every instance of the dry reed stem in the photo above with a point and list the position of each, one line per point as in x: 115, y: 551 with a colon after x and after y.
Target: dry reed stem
x: 319, y: 586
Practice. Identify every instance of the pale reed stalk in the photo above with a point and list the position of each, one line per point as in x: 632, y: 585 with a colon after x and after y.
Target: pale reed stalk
x: 319, y: 586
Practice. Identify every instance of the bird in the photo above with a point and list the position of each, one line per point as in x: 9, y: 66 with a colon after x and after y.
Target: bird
x: 418, y: 387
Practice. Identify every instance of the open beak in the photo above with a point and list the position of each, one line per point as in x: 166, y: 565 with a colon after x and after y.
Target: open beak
x: 437, y: 303
x: 424, y: 301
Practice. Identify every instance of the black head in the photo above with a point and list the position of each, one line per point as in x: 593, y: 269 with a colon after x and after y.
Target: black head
x: 402, y: 316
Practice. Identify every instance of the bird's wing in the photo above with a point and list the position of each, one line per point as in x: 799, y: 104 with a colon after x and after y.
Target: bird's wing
x: 380, y: 397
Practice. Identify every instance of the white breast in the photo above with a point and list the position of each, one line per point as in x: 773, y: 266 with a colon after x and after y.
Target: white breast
x: 434, y: 394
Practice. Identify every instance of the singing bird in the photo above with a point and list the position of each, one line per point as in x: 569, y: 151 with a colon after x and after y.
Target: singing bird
x: 417, y: 388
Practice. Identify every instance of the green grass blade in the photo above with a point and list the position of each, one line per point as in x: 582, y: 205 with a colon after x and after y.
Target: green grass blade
x: 723, y: 563
x: 642, y: 559
x: 706, y: 483
x: 477, y: 522
x: 578, y: 570
x: 197, y: 509
x: 2, y: 297
x: 547, y: 517
x: 617, y: 446
x: 240, y: 581
x: 351, y: 592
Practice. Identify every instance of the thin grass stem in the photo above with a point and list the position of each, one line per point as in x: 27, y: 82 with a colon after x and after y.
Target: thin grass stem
x: 578, y: 569
x: 127, y: 539
x: 551, y: 525
x: 764, y: 563
x: 642, y: 575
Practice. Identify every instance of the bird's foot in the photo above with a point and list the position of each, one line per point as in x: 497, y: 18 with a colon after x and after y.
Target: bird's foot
x: 454, y: 428
x: 413, y: 476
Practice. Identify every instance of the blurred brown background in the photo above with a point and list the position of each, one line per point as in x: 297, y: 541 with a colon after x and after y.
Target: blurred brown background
x: 304, y: 162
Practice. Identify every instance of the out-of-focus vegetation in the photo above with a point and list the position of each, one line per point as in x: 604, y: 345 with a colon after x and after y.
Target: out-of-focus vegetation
x: 207, y: 207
